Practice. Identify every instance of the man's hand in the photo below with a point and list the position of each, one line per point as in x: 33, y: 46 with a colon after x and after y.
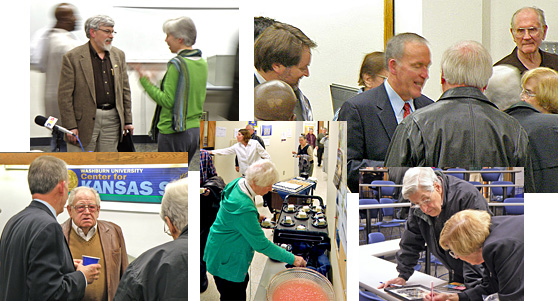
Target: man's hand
x: 397, y: 280
x: 237, y: 168
x: 77, y: 262
x: 299, y: 261
x: 71, y: 138
x: 206, y: 192
x: 128, y: 128
x: 91, y: 271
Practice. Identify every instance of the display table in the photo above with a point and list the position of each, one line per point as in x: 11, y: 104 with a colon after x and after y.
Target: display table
x: 373, y: 270
x: 384, y: 248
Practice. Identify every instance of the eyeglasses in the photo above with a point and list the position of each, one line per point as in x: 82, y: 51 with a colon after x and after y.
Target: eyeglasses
x: 109, y: 32
x: 81, y: 208
x: 166, y: 229
x: 424, y: 202
x: 526, y: 93
x: 520, y: 32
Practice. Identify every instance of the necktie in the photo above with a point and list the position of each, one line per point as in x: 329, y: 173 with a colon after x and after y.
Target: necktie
x: 407, y: 108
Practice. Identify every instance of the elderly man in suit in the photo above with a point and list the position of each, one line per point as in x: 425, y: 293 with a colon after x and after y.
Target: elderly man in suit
x: 88, y: 236
x: 377, y: 112
x: 94, y: 94
x: 35, y: 260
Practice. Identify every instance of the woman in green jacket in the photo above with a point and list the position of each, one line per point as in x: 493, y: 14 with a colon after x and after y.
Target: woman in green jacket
x: 236, y: 232
x: 181, y: 96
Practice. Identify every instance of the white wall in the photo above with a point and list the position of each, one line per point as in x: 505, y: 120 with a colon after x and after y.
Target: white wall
x: 447, y: 22
x: 140, y: 36
x: 344, y: 31
x: 280, y: 151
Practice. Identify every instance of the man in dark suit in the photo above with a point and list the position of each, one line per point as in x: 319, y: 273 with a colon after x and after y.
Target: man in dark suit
x: 35, y: 260
x: 283, y: 52
x: 372, y: 116
x: 94, y: 93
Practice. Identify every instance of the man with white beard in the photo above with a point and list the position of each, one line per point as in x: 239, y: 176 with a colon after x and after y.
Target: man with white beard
x: 94, y: 93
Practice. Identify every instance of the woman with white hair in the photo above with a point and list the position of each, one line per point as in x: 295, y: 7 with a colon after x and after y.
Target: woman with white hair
x: 495, y: 242
x: 181, y: 96
x: 167, y: 263
x: 236, y: 232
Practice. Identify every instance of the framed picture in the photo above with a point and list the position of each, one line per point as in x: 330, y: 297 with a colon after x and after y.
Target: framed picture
x: 409, y: 292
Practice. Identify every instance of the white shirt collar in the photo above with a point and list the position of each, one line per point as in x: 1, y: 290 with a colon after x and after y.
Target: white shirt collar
x: 82, y: 234
x: 48, y: 206
x: 247, y: 189
x: 397, y: 102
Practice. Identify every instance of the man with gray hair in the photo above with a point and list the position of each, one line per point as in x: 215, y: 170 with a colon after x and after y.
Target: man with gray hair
x: 161, y: 273
x: 94, y: 94
x: 435, y: 197
x: 35, y: 261
x: 504, y: 86
x: 528, y: 29
x: 463, y: 128
x: 103, y: 239
x: 372, y: 116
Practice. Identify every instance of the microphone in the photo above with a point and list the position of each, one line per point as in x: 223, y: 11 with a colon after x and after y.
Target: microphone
x: 50, y: 123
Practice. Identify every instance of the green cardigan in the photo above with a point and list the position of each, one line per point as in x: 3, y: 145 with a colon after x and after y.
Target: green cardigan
x: 164, y: 96
x: 235, y: 235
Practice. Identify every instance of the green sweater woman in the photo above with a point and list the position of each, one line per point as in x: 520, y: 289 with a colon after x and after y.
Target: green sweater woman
x: 181, y: 96
x: 236, y: 232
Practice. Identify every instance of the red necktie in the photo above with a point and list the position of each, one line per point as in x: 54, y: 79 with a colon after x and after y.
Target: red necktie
x: 407, y: 108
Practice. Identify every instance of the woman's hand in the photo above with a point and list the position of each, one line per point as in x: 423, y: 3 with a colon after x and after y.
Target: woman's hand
x: 261, y: 218
x: 294, y: 152
x: 441, y: 297
x: 299, y: 261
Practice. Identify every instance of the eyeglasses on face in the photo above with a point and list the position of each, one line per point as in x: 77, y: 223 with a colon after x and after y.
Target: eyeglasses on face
x: 109, y: 32
x: 81, y: 208
x: 424, y: 202
x: 526, y: 93
x: 520, y: 32
x: 453, y: 255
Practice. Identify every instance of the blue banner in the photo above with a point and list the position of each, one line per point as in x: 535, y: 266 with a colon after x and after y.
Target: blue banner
x: 136, y: 184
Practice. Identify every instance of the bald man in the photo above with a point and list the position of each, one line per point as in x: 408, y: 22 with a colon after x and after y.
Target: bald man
x: 274, y: 100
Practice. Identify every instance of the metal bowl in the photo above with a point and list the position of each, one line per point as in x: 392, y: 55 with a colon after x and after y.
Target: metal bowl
x: 301, y: 274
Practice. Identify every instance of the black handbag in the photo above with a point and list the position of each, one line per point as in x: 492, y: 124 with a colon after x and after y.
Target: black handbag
x: 127, y: 144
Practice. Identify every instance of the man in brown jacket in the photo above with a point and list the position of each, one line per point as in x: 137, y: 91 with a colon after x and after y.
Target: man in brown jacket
x: 94, y: 93
x: 88, y: 236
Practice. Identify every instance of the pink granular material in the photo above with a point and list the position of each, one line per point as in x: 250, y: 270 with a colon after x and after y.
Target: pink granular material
x: 299, y: 290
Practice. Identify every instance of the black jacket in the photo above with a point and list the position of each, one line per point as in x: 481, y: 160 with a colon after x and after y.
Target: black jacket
x: 542, y: 130
x: 503, y: 256
x: 421, y: 228
x: 370, y: 127
x: 33, y: 250
x: 462, y: 129
x: 160, y: 273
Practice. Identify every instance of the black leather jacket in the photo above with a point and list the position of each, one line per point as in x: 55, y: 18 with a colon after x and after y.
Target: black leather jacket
x: 462, y: 129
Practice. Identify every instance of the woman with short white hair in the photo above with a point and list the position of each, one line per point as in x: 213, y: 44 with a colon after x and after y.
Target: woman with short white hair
x: 236, y: 232
x: 181, y: 95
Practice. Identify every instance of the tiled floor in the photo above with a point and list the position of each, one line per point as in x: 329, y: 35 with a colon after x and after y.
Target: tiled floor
x: 257, y: 266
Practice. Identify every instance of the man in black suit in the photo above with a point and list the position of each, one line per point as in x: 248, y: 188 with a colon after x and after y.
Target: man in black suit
x: 35, y: 260
x: 372, y: 116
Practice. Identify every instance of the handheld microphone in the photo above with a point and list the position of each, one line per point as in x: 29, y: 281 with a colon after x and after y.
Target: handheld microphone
x: 50, y: 123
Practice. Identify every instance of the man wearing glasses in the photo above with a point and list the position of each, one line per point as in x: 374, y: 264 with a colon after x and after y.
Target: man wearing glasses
x: 94, y: 93
x: 435, y: 198
x: 88, y: 236
x: 528, y: 29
